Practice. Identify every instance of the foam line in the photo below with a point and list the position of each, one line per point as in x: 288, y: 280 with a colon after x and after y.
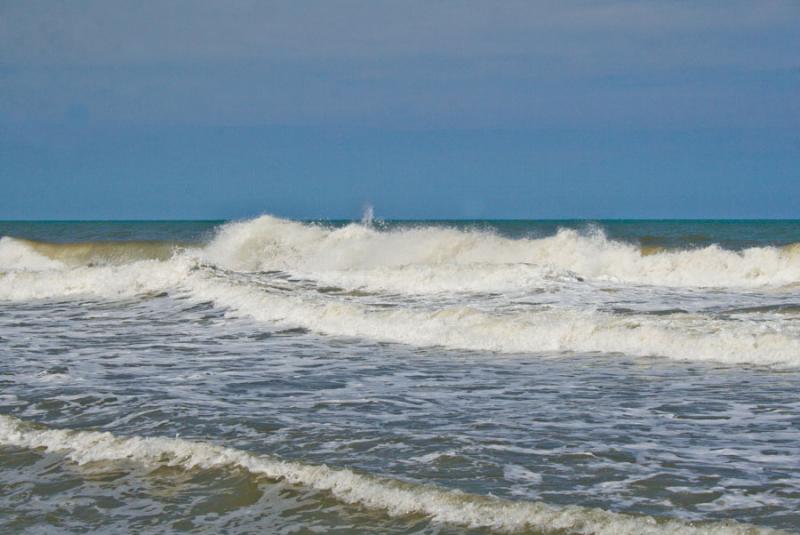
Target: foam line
x: 394, y: 497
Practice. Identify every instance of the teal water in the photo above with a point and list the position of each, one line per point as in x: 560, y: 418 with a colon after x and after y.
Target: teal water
x: 734, y: 234
x: 470, y: 376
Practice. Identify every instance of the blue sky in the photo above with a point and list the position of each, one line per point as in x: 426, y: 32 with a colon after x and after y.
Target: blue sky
x: 426, y: 109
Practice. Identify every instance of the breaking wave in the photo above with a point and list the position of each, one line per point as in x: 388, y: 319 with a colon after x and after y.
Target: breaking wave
x: 539, y: 330
x: 429, y: 259
x: 682, y: 336
x: 395, y: 498
x: 268, y: 243
x: 230, y: 272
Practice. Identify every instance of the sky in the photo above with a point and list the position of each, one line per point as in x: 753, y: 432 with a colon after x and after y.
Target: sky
x: 593, y: 109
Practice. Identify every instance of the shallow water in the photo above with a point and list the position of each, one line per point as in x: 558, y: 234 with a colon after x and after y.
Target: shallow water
x: 485, y: 376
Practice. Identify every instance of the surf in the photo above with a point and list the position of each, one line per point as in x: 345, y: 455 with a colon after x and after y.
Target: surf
x: 269, y: 243
x: 428, y: 258
x: 546, y: 330
x: 391, y: 496
x: 405, y: 285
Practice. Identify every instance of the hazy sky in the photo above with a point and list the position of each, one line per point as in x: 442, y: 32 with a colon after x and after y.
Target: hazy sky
x: 426, y: 109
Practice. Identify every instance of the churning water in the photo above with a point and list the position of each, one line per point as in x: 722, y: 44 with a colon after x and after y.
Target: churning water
x: 278, y: 376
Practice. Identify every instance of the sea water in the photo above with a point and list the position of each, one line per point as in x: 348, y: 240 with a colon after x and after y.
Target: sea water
x: 275, y: 376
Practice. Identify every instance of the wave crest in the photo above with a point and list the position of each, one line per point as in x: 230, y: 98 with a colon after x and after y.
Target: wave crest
x: 559, y: 330
x: 269, y: 243
x: 432, y: 258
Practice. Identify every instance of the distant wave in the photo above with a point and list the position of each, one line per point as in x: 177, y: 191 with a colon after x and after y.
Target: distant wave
x: 395, y: 498
x: 432, y: 258
x: 268, y: 243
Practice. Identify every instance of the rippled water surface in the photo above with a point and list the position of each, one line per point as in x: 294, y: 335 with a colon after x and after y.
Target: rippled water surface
x: 481, y: 377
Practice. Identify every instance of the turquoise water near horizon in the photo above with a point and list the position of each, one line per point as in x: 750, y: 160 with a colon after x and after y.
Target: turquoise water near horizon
x: 731, y: 233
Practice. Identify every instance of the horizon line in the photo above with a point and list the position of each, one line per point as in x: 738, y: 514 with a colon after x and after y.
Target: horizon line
x: 401, y: 220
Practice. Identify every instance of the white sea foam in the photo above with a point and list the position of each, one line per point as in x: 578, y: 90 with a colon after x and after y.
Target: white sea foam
x: 129, y: 280
x: 18, y: 255
x: 684, y: 337
x: 394, y: 497
x: 679, y: 336
x: 427, y: 279
x: 432, y: 259
x: 436, y: 260
x: 268, y: 243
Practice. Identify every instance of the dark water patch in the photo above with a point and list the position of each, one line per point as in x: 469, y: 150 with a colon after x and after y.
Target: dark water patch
x: 782, y: 308
x: 661, y: 312
x: 295, y: 331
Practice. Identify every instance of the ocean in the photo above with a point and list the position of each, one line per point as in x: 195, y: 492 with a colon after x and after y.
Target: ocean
x: 431, y: 377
